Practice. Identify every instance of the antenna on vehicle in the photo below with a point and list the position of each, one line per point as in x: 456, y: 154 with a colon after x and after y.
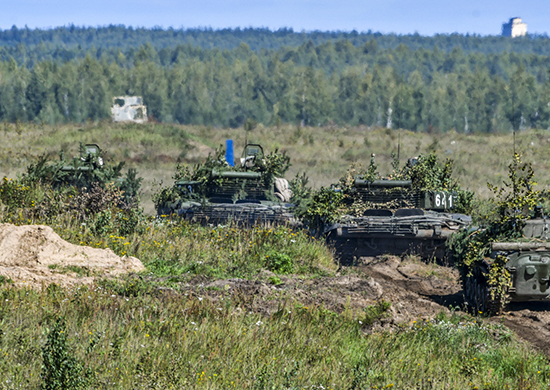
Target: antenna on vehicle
x: 514, y: 131
x: 399, y: 129
x: 245, y: 134
x: 513, y: 121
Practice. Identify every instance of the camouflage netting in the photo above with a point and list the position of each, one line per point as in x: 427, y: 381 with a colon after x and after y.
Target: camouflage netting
x: 404, y: 190
x: 261, y: 179
x: 516, y: 203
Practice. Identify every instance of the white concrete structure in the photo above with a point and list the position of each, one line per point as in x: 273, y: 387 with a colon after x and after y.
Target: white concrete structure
x: 129, y: 109
x: 514, y: 28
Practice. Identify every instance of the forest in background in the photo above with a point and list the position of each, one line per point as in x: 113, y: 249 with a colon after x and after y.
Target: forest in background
x: 236, y: 77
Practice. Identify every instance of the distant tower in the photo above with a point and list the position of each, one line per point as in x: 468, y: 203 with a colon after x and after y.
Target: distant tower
x: 514, y: 28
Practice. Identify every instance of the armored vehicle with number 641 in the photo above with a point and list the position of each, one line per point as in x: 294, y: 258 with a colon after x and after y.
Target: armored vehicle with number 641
x: 391, y: 216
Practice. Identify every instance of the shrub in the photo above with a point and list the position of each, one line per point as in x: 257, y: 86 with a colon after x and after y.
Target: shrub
x: 60, y: 370
x: 279, y: 263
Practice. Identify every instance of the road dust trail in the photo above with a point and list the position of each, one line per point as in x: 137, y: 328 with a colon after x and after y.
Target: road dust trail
x: 35, y: 256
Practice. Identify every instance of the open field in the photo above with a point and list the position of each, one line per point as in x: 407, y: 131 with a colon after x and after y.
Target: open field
x: 324, y: 153
x: 221, y: 307
x: 99, y: 293
x: 212, y: 312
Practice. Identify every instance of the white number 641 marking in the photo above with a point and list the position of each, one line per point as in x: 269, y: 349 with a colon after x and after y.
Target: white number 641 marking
x: 441, y: 200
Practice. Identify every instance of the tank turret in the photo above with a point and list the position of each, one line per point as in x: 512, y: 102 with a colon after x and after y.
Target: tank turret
x: 246, y: 193
x: 396, y: 216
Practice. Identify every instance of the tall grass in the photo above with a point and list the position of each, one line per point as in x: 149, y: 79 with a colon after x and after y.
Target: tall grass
x: 128, y: 334
x: 176, y: 247
x: 128, y: 341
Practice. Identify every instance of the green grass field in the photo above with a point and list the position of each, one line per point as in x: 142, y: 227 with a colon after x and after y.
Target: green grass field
x: 117, y: 339
x: 324, y: 153
x: 156, y: 330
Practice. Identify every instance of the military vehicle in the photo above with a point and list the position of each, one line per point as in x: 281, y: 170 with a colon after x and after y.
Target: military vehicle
x: 508, y: 259
x: 83, y: 171
x: 247, y: 194
x: 129, y: 109
x: 390, y: 216
x: 525, y: 266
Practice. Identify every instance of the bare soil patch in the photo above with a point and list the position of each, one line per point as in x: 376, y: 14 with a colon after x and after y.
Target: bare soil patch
x: 415, y: 290
x: 530, y: 321
x: 35, y: 256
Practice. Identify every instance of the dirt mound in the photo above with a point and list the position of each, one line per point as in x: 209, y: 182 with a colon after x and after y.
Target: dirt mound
x: 36, y: 256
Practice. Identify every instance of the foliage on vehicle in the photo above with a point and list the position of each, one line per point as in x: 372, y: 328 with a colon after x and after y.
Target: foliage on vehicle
x: 358, y: 170
x: 300, y: 189
x: 514, y: 203
x: 270, y: 166
x: 426, y: 173
x: 322, y: 207
x: 82, y: 172
x: 83, y: 188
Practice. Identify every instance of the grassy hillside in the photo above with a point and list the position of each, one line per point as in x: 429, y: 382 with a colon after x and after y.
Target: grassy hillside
x: 214, y: 311
x: 323, y: 152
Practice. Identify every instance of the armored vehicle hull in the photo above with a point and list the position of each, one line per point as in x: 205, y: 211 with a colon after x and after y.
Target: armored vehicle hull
x: 526, y: 265
x: 244, y: 213
x: 397, y: 220
x: 403, y: 231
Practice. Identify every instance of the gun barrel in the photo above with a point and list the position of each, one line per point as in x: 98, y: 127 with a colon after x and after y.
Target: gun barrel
x: 383, y: 183
x: 520, y: 246
x: 237, y: 175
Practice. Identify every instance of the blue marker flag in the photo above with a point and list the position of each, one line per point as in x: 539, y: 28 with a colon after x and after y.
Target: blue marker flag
x: 229, y: 156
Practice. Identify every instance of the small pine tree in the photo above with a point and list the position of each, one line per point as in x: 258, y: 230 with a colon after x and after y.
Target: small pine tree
x: 60, y: 369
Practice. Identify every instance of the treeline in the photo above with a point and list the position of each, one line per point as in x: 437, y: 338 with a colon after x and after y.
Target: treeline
x: 337, y: 82
x: 28, y: 46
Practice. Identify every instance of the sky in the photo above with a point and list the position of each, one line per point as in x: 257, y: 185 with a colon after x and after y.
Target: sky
x: 425, y: 17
